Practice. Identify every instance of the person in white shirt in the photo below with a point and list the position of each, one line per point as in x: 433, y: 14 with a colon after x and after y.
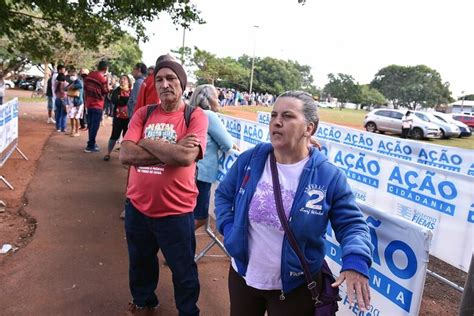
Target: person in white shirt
x: 407, y: 123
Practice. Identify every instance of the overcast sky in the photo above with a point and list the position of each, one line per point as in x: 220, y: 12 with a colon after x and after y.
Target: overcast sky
x: 347, y: 36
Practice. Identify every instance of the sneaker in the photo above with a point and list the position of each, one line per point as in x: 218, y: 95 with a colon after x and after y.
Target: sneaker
x: 122, y: 215
x: 91, y: 150
x: 144, y: 311
x: 106, y: 157
x: 51, y: 120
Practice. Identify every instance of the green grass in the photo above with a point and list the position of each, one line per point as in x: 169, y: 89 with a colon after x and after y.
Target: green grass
x: 227, y: 110
x: 355, y: 119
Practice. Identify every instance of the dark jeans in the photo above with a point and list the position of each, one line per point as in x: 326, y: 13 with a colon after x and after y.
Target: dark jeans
x: 119, y: 126
x: 60, y: 114
x: 248, y: 301
x: 174, y: 235
x: 405, y: 132
x: 83, y: 120
x: 94, y: 116
x: 201, y: 211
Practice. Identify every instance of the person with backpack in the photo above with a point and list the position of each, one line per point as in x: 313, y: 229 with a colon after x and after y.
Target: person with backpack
x: 161, y: 149
x: 119, y: 98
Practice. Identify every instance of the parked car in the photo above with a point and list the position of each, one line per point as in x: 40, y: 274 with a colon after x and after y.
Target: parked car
x: 466, y: 119
x: 29, y: 83
x: 465, y: 130
x: 388, y: 120
x: 326, y: 105
x: 9, y: 84
x: 447, y: 129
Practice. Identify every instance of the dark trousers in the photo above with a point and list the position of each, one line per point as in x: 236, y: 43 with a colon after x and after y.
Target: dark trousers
x: 83, y: 120
x: 405, y: 132
x: 94, y: 116
x: 174, y: 235
x: 60, y: 114
x: 119, y: 126
x: 248, y: 301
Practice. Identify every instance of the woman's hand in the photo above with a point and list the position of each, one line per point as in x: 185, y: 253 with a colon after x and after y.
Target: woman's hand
x: 235, y: 147
x: 357, y: 287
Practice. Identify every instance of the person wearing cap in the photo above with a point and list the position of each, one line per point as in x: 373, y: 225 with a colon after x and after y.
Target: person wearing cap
x: 162, y: 150
x: 147, y: 94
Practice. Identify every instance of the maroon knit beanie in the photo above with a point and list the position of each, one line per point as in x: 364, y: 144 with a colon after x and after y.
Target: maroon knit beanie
x: 177, y: 69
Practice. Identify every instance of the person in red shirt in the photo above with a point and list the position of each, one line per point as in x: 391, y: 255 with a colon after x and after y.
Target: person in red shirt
x: 96, y: 87
x: 161, y: 150
x: 147, y: 94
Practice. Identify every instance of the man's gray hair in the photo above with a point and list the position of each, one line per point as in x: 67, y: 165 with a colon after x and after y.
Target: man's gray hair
x: 310, y: 107
x: 201, y: 96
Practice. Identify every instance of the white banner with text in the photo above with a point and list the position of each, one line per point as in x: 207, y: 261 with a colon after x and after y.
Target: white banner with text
x: 427, y: 184
x: 8, y: 129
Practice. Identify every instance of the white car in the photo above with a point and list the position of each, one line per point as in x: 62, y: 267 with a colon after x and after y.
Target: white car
x: 447, y: 129
x: 9, y: 84
x: 465, y: 130
x: 326, y: 105
x: 388, y: 120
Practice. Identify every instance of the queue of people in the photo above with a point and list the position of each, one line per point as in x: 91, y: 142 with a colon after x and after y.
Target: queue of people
x: 171, y: 150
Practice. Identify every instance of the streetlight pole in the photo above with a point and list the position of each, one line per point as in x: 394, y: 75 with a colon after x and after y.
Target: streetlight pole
x: 182, y: 46
x: 253, y: 59
x: 462, y: 102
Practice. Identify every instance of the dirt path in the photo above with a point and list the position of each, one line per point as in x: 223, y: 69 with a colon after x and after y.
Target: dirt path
x: 76, y: 264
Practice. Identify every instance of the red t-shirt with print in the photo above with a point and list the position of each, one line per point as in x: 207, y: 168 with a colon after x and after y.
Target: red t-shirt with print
x: 164, y: 190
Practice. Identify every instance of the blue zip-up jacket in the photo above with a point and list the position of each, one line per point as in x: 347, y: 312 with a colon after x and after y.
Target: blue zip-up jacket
x: 218, y: 138
x: 323, y: 194
x: 134, y: 95
x: 77, y: 85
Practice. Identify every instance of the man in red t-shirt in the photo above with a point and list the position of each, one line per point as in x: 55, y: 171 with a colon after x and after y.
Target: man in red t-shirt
x: 161, y: 194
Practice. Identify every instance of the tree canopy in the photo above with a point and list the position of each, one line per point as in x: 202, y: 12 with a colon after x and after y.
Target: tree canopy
x: 412, y: 85
x: 342, y: 87
x: 34, y: 30
x: 270, y: 74
x: 370, y: 96
x: 468, y: 97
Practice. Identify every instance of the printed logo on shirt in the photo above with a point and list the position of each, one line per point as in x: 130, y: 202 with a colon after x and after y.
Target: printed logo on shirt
x: 263, y: 208
x: 314, y: 205
x: 162, y: 131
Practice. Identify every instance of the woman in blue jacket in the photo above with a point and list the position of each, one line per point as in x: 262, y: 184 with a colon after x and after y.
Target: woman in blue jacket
x: 265, y: 274
x: 206, y: 97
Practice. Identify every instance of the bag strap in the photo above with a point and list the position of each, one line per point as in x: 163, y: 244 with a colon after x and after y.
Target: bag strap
x: 188, y: 111
x: 311, y: 284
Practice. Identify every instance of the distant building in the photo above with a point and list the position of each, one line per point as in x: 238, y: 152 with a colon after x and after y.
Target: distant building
x: 461, y: 106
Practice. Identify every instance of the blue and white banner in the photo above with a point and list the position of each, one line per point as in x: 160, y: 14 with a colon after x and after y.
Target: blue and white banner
x: 457, y: 160
x: 436, y: 198
x: 427, y: 184
x: 398, y: 271
x: 8, y: 129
